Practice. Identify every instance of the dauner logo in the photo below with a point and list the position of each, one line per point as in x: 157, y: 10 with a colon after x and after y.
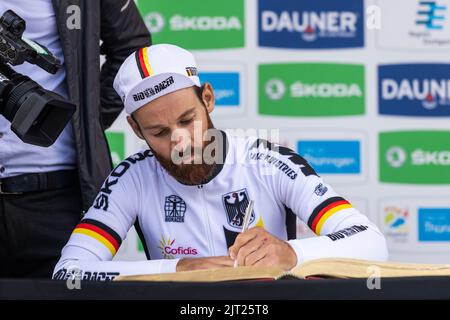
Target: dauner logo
x: 102, y: 200
x: 416, y: 89
x: 306, y: 21
x: 147, y: 93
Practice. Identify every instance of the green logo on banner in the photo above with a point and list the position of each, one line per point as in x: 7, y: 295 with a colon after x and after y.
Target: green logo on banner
x: 300, y: 89
x: 116, y: 141
x: 195, y: 24
x: 420, y: 157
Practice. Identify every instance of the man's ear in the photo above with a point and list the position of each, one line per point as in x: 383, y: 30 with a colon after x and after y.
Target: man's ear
x: 135, y: 126
x: 208, y: 97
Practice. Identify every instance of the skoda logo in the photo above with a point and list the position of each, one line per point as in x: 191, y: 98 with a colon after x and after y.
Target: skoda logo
x: 275, y: 89
x: 396, y: 157
x: 154, y: 22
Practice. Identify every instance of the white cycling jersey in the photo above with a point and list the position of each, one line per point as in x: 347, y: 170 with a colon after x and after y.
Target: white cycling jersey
x: 184, y: 221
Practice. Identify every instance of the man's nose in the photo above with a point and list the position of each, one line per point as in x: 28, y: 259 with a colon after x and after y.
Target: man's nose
x: 181, y: 139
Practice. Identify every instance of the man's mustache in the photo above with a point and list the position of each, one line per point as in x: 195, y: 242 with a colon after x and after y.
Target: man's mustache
x: 186, y: 153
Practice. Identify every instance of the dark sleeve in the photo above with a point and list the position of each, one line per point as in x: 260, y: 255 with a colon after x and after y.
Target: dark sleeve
x: 122, y: 32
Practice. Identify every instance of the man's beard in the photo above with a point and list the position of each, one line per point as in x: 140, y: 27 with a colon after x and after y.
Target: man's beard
x: 190, y: 173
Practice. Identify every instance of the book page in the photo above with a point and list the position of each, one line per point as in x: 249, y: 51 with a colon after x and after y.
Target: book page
x: 211, y: 275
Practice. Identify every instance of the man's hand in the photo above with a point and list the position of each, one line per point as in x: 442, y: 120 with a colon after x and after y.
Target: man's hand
x: 188, y: 264
x: 257, y: 247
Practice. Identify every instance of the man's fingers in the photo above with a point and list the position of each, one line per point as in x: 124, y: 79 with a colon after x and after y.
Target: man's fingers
x: 242, y: 239
x: 255, y: 256
x: 224, y: 261
x: 250, y: 247
x: 267, y: 261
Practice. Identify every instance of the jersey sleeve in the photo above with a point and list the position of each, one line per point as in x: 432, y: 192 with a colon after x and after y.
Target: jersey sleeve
x: 342, y: 231
x: 97, y: 238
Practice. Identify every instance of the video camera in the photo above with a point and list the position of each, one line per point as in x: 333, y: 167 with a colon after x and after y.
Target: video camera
x: 37, y: 116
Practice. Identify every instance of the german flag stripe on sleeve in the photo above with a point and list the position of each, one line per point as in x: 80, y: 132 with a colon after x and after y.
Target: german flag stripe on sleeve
x: 101, y: 232
x: 142, y: 63
x: 325, y: 210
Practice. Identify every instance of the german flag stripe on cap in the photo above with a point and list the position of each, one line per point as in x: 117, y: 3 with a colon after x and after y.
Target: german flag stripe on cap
x: 142, y: 63
x: 325, y: 210
x: 101, y: 232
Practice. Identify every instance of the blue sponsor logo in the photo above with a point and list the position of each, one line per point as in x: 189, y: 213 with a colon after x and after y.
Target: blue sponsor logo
x: 414, y: 89
x: 431, y: 15
x: 434, y: 224
x: 332, y: 157
x: 226, y: 87
x: 306, y: 24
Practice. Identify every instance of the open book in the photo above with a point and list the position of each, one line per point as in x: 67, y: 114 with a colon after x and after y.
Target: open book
x: 322, y: 268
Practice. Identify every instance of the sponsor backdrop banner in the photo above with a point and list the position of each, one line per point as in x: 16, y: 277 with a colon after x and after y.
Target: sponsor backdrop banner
x: 360, y: 88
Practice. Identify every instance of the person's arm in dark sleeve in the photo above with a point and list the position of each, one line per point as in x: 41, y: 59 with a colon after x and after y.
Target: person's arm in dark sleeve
x: 122, y: 32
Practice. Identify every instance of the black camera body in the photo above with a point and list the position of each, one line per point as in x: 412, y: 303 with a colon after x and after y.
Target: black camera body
x: 37, y: 116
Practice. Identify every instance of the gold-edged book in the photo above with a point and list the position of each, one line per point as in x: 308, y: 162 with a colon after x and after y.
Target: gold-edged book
x: 320, y: 268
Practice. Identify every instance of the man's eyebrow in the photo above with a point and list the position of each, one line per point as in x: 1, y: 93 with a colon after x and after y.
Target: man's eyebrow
x: 159, y: 126
x: 184, y: 114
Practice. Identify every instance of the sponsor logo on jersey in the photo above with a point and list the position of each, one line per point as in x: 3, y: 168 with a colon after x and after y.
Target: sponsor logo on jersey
x: 235, y: 204
x: 64, y: 274
x: 263, y: 150
x: 414, y: 89
x: 170, y: 250
x: 320, y: 189
x: 319, y: 24
x: 347, y: 232
x: 102, y: 199
x: 174, y: 208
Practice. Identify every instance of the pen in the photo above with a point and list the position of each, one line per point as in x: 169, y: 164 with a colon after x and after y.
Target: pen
x: 248, y: 213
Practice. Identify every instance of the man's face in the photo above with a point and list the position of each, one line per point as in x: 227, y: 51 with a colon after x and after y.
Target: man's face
x: 173, y: 127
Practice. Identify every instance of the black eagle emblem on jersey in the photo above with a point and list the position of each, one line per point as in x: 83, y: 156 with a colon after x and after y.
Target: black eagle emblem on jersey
x: 235, y: 203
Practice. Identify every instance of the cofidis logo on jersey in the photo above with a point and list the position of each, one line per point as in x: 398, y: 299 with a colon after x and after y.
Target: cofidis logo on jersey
x: 414, y: 89
x: 421, y: 157
x: 434, y: 224
x: 170, y: 250
x: 332, y: 157
x: 311, y: 24
x: 226, y: 87
x: 302, y: 89
x: 195, y: 24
